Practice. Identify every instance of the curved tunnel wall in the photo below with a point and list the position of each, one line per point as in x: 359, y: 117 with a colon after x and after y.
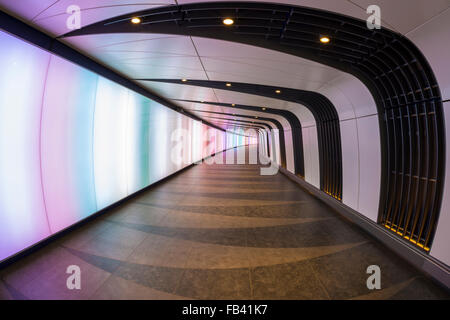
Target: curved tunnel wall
x: 402, y: 83
x: 73, y: 143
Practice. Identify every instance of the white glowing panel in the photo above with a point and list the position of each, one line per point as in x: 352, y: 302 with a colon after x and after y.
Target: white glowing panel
x: 23, y: 219
x: 110, y: 138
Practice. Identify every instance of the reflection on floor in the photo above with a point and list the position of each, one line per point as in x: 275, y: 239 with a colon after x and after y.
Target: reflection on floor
x: 217, y: 232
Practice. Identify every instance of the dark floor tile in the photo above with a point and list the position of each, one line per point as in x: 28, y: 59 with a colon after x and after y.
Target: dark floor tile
x: 290, y: 281
x: 421, y: 289
x: 311, y: 234
x: 343, y: 274
x: 276, y: 195
x: 228, y: 237
x: 8, y: 292
x: 159, y: 278
x: 215, y: 284
x: 393, y: 268
x: 106, y: 264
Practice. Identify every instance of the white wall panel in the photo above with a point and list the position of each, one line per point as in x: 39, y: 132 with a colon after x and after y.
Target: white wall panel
x: 342, y: 104
x: 290, y: 166
x: 350, y: 163
x: 303, y: 114
x: 275, y: 133
x: 370, y: 166
x: 311, y: 156
x: 314, y: 150
x: 432, y: 39
x: 110, y: 144
x: 358, y: 95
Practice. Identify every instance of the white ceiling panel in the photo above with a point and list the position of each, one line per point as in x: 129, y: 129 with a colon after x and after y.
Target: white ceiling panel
x: 180, y: 62
x: 199, y: 106
x: 141, y: 71
x: 226, y: 96
x: 26, y: 9
x: 144, y: 56
x: 176, y: 57
x: 406, y: 15
x: 228, y: 61
x: 268, y: 79
x: 60, y: 7
x: 226, y: 49
x: 163, y: 44
x: 51, y: 16
x: 292, y: 69
x: 179, y: 91
x: 114, y: 42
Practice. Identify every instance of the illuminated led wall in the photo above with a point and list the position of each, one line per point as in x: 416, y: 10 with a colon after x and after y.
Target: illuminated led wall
x: 73, y: 143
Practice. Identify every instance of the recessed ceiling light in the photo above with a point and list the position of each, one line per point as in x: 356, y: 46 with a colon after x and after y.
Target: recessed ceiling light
x: 228, y: 84
x: 263, y: 108
x: 233, y: 104
x: 324, y: 39
x: 228, y: 21
x: 184, y: 80
x: 136, y: 20
x: 278, y: 91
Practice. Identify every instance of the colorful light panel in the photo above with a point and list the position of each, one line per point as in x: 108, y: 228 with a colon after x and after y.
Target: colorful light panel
x: 73, y: 143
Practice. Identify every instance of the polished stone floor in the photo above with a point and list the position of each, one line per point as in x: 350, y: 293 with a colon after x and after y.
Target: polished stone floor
x: 217, y: 232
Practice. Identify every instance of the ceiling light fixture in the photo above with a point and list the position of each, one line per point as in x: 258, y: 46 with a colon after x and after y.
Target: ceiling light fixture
x: 278, y: 91
x: 183, y: 80
x: 228, y: 84
x: 263, y: 108
x: 324, y: 39
x: 228, y: 21
x: 136, y: 20
x: 233, y: 104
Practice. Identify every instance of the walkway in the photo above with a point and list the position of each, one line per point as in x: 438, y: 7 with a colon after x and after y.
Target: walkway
x: 217, y: 232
